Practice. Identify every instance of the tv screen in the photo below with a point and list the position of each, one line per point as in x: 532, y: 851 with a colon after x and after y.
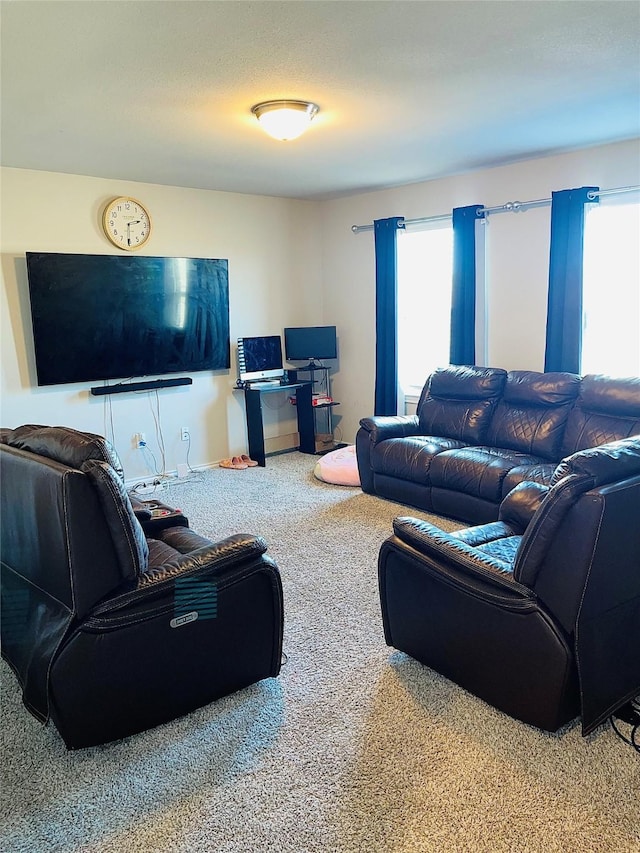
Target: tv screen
x: 260, y: 358
x: 310, y: 343
x: 121, y: 316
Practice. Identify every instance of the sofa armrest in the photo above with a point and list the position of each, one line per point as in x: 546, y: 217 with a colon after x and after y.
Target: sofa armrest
x: 443, y: 547
x: 215, y: 560
x: 376, y: 429
x: 390, y: 426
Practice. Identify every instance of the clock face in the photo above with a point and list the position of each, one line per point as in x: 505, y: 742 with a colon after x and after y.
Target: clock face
x: 126, y: 223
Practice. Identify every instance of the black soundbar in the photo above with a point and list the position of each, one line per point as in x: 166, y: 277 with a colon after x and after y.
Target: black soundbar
x: 147, y: 385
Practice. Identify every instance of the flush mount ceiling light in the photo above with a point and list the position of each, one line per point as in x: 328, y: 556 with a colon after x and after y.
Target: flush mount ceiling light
x: 285, y: 119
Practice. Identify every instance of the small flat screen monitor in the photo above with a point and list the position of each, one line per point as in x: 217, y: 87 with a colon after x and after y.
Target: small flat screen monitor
x: 310, y: 343
x: 260, y: 358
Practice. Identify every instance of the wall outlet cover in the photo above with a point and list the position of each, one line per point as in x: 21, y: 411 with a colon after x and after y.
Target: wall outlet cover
x: 183, y: 470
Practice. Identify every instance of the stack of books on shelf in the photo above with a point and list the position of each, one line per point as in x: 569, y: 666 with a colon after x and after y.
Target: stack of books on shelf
x: 321, y: 400
x: 317, y: 400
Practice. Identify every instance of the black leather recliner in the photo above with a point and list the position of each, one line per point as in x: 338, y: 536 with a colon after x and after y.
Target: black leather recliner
x: 113, y: 624
x: 537, y: 613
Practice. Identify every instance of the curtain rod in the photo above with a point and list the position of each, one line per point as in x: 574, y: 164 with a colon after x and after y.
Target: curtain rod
x: 508, y: 207
x: 442, y: 217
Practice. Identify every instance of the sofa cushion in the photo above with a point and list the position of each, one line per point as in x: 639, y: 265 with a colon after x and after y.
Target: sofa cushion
x: 477, y: 471
x: 458, y: 402
x: 607, y: 409
x: 541, y: 473
x: 409, y: 458
x: 67, y: 446
x: 533, y: 412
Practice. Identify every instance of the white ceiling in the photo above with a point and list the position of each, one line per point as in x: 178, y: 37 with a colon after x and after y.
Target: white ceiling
x: 160, y: 91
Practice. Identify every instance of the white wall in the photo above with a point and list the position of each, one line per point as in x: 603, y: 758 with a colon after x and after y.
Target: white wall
x: 274, y: 281
x: 290, y: 263
x: 517, y: 268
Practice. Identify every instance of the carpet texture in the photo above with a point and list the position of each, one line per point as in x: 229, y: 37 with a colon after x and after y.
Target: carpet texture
x: 354, y: 747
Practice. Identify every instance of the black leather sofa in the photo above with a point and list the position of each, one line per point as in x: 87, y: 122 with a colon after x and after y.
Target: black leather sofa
x: 112, y: 620
x: 537, y: 613
x: 478, y: 432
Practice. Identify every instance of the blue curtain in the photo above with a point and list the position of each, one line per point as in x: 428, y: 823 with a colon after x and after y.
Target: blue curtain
x: 386, y: 388
x: 563, y: 349
x: 463, y: 293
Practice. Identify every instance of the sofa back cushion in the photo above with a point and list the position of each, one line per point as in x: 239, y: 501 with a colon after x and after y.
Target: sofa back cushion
x: 606, y: 410
x: 532, y: 415
x: 457, y: 402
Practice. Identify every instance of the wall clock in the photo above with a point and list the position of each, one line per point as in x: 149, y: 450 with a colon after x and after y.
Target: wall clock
x: 127, y: 223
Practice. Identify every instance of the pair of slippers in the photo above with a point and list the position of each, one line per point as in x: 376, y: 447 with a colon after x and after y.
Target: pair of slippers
x: 238, y: 462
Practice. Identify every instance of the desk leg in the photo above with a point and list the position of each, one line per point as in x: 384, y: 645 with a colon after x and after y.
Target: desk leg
x: 255, y: 429
x: 306, y: 419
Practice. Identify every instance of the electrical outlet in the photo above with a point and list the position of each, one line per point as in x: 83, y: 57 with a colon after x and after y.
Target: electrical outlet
x: 139, y: 439
x: 184, y: 434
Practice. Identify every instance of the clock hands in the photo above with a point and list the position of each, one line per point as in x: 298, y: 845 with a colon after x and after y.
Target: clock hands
x: 129, y: 224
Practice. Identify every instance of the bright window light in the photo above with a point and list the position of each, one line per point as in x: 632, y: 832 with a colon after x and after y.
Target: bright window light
x: 611, y: 287
x: 425, y: 270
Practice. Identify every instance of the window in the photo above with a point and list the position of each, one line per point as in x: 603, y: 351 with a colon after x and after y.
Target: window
x: 425, y: 270
x: 611, y: 290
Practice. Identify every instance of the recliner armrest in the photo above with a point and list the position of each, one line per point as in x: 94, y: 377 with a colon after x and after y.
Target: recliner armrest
x: 390, y: 426
x: 141, y: 513
x: 441, y: 546
x: 213, y: 559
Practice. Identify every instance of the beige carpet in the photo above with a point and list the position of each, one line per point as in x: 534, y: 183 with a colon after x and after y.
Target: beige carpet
x: 354, y: 748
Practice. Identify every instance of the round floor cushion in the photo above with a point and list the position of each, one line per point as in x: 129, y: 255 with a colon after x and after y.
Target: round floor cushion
x: 339, y: 467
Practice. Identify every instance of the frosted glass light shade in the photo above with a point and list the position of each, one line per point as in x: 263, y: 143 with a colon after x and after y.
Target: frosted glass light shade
x: 285, y: 119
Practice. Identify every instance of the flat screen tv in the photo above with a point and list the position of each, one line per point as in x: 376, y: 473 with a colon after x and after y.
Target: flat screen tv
x: 121, y: 316
x: 310, y: 343
x: 260, y: 358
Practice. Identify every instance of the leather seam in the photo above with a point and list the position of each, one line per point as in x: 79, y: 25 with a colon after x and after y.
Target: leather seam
x: 584, y: 591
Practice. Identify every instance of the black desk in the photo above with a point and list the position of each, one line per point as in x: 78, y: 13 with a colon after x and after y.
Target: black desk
x: 304, y: 411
